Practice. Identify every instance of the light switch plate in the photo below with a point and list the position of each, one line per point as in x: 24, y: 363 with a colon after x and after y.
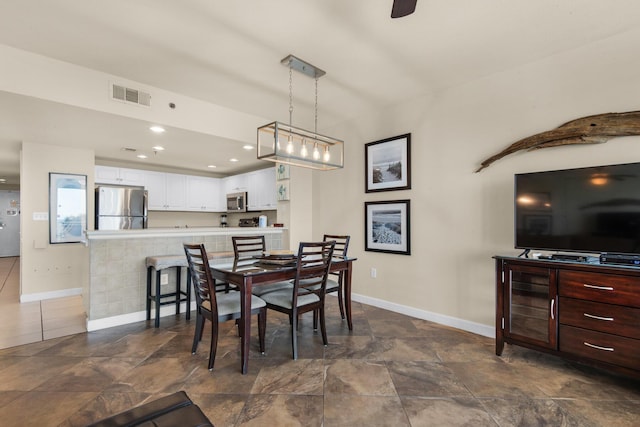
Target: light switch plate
x: 41, y: 216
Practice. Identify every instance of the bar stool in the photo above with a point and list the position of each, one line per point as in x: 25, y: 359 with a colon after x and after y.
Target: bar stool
x: 158, y: 264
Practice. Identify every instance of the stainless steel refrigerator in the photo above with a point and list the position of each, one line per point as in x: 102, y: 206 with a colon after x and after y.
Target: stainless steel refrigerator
x: 120, y: 208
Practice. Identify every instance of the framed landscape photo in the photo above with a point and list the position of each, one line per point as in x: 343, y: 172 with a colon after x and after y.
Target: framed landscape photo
x: 388, y: 164
x: 387, y: 226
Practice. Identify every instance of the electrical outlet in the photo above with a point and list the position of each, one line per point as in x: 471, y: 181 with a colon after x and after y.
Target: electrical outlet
x: 374, y: 273
x: 164, y: 279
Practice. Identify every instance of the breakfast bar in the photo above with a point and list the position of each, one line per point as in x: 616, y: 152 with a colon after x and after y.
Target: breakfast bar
x: 117, y: 275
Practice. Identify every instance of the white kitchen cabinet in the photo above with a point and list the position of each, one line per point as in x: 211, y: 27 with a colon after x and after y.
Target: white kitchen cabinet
x: 235, y: 183
x: 176, y: 192
x: 166, y: 191
x: 205, y: 194
x: 261, y: 190
x: 119, y: 176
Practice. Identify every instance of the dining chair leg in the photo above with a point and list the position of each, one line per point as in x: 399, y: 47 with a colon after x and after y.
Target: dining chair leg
x: 340, y: 300
x: 240, y: 327
x: 197, y: 336
x: 262, y: 327
x: 294, y: 334
x: 323, y: 326
x: 201, y: 328
x: 214, y: 344
x: 315, y: 320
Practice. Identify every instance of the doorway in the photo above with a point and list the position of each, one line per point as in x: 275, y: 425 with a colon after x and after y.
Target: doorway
x: 9, y: 223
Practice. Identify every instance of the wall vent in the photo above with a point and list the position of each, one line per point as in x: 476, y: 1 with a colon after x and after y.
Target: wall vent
x: 134, y: 96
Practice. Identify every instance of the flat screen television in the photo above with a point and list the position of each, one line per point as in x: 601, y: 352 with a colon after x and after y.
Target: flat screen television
x: 589, y: 210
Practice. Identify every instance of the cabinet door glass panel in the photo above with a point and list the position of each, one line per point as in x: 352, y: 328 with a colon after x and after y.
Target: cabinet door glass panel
x: 529, y: 304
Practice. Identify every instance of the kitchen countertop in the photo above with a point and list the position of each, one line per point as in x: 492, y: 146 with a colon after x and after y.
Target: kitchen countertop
x: 178, y: 232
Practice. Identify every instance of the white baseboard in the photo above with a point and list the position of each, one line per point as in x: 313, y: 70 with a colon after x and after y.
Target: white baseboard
x: 138, y: 316
x: 169, y: 310
x: 50, y: 295
x: 454, y: 322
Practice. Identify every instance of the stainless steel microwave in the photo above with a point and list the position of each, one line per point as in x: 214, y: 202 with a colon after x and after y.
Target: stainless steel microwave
x: 237, y: 202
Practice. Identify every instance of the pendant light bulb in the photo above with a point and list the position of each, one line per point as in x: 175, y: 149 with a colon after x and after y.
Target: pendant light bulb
x: 316, y: 153
x: 290, y: 145
x: 326, y: 156
x: 303, y: 150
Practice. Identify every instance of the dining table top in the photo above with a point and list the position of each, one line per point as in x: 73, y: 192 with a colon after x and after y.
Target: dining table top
x: 258, y: 265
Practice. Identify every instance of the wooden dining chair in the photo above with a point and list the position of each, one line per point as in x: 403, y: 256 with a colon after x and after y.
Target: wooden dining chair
x: 245, y: 249
x: 335, y: 280
x: 312, y: 269
x: 216, y: 306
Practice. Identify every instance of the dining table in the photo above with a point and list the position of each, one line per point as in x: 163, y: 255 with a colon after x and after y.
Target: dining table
x: 245, y: 275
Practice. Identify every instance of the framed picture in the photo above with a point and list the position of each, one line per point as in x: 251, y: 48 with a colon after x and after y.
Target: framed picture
x: 387, y: 226
x: 67, y: 207
x: 282, y: 172
x: 388, y: 164
x: 282, y: 192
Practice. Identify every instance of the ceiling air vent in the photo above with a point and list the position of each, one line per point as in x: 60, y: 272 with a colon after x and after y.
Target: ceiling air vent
x: 134, y: 96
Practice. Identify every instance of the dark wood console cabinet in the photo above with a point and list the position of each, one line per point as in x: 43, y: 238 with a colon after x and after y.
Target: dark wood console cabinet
x: 581, y: 311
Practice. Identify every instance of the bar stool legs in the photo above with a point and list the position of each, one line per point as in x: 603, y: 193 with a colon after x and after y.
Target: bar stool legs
x: 176, y: 297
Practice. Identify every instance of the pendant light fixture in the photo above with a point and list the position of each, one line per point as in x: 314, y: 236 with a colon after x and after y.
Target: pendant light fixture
x: 285, y: 143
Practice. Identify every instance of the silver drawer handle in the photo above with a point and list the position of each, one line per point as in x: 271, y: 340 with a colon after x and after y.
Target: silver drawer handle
x: 597, y: 347
x: 602, y: 288
x: 591, y: 316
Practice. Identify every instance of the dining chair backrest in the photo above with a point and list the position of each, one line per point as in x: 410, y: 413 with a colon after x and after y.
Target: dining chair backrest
x: 342, y: 243
x: 201, y: 277
x: 312, y: 268
x: 245, y: 247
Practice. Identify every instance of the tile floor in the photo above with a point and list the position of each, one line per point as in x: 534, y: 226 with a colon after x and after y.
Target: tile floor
x: 38, y: 320
x: 392, y: 370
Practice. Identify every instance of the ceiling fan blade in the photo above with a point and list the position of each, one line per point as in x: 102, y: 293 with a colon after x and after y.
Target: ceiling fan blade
x: 403, y: 8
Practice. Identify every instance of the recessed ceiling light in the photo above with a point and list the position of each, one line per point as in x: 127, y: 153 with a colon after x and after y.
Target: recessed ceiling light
x: 141, y: 156
x: 233, y: 160
x: 157, y: 148
x: 248, y: 147
x: 3, y: 180
x: 157, y: 129
x: 212, y: 166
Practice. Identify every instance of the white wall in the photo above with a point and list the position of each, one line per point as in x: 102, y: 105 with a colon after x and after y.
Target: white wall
x: 460, y: 219
x: 48, y: 270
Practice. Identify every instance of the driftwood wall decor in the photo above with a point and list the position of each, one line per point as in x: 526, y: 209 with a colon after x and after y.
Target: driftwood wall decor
x: 586, y: 130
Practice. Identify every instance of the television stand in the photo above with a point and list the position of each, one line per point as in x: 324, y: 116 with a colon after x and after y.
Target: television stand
x: 580, y: 311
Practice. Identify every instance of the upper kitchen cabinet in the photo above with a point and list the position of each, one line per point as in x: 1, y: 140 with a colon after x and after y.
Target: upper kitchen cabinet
x: 235, y: 183
x: 261, y: 190
x: 166, y: 191
x: 119, y: 176
x: 205, y: 194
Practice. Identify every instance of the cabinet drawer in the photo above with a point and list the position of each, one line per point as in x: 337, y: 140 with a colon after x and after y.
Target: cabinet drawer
x: 613, y: 319
x: 600, y: 346
x: 622, y: 290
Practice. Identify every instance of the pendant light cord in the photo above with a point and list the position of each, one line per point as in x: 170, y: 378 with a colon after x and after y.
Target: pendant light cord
x: 290, y: 94
x: 315, y: 130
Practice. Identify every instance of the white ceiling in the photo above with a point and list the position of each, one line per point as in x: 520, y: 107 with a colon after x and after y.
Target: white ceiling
x: 228, y: 53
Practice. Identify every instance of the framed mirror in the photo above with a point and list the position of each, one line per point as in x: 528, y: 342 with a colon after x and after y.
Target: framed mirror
x: 67, y: 207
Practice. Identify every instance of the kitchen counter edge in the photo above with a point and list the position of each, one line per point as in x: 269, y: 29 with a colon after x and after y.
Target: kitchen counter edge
x: 178, y: 232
